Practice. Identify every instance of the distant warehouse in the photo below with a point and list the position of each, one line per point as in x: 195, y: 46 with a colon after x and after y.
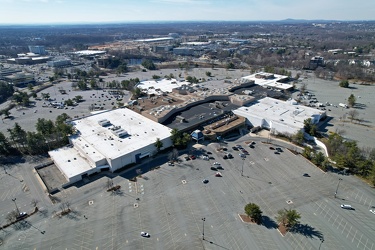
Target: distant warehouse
x: 279, y: 116
x: 59, y: 63
x: 109, y: 140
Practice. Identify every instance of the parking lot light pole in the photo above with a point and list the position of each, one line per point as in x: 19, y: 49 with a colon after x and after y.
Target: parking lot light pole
x: 203, y: 219
x: 14, y: 200
x: 321, y: 242
x: 42, y: 232
x: 337, y: 187
x: 243, y: 162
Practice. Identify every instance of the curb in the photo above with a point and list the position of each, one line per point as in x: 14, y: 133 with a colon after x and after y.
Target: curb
x: 41, y: 182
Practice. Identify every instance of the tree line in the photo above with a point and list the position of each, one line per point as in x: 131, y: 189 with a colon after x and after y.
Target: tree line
x: 49, y: 135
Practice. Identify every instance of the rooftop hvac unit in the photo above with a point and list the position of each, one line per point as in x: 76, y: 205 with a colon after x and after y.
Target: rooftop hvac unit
x: 104, y: 123
x: 120, y: 133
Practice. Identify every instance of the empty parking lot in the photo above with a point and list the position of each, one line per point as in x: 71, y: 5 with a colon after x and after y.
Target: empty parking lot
x: 170, y: 202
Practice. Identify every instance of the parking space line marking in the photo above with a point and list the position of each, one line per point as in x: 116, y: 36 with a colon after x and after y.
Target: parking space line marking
x: 366, y: 243
x: 354, y: 235
x: 344, y: 227
x: 359, y: 240
x: 349, y: 231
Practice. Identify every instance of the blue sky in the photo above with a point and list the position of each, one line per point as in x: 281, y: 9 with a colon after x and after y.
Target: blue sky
x: 77, y: 11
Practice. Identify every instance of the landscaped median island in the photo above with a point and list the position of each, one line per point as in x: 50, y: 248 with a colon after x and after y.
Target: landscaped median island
x: 14, y: 217
x: 287, y: 218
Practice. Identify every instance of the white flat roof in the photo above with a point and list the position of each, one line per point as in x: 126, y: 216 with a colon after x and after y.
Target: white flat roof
x: 89, y: 52
x: 99, y: 142
x: 280, y: 112
x: 155, y: 39
x: 164, y: 85
x: 70, y: 161
x: 273, y: 83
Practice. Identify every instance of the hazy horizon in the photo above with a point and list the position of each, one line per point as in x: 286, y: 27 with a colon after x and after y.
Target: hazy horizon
x: 39, y: 12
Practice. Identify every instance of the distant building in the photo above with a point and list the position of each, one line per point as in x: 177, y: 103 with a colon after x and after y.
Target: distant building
x: 19, y: 79
x: 89, y: 53
x: 7, y: 72
x: 269, y: 80
x: 162, y: 48
x: 174, y: 35
x: 37, y: 50
x: 59, y: 63
x: 202, y: 38
x: 183, y: 51
x: 316, y: 61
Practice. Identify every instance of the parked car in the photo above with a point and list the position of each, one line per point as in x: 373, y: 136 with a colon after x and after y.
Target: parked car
x: 205, y: 181
x: 22, y: 215
x: 235, y: 148
x: 230, y: 156
x: 144, y: 234
x: 192, y: 157
x: 306, y: 175
x: 372, y: 211
x: 349, y: 207
x: 279, y: 150
x: 242, y: 155
x: 213, y: 168
x: 216, y: 163
x: 218, y: 174
x: 272, y: 148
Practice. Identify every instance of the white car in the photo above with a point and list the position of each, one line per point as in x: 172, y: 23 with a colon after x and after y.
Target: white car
x: 347, y: 207
x: 216, y: 163
x: 372, y: 211
x: 144, y: 234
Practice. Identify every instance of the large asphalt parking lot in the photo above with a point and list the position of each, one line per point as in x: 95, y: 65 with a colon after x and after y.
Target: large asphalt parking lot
x: 170, y: 202
x: 329, y: 91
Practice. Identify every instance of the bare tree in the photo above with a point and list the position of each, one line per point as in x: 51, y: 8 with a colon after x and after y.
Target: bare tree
x: 303, y: 88
x: 12, y: 216
x: 353, y: 114
x: 175, y: 154
x: 170, y: 156
x: 109, y: 184
x: 65, y: 207
x: 34, y: 202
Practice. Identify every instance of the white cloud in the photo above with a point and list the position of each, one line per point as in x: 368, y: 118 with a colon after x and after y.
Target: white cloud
x: 182, y: 1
